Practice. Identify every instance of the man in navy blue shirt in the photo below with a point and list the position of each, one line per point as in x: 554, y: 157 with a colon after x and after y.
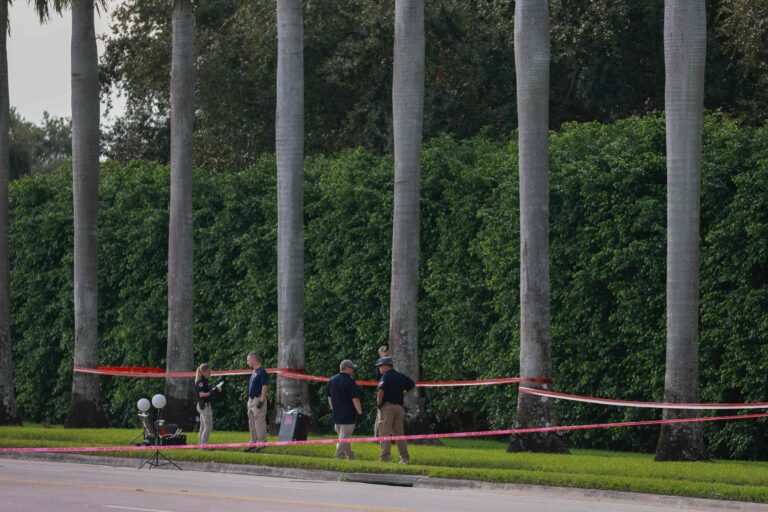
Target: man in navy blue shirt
x: 344, y: 400
x: 389, y: 399
x: 258, y: 387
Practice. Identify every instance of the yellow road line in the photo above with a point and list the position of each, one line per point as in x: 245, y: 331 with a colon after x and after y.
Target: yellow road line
x: 302, y: 503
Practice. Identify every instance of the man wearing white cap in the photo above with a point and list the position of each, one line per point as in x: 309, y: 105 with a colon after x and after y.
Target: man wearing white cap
x: 344, y: 400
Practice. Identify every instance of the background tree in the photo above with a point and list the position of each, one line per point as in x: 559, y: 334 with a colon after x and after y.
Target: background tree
x: 532, y: 66
x: 289, y: 143
x: 85, y: 407
x: 39, y: 148
x: 685, y: 44
x: 407, y: 121
x: 180, y: 350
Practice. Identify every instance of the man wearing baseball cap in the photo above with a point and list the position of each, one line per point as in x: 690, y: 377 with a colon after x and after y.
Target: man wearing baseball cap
x: 344, y: 400
x: 389, y: 399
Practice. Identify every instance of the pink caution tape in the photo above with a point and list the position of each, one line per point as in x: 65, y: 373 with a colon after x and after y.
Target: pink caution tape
x: 291, y: 373
x: 132, y: 371
x: 518, y: 431
x: 646, y: 405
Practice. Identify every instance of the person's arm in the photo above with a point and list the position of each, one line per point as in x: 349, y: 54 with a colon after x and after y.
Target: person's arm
x: 330, y: 405
x: 410, y: 385
x: 358, y: 405
x: 379, y: 397
x: 200, y: 392
x: 264, y: 387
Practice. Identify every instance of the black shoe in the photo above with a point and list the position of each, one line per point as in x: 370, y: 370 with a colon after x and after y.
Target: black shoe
x: 250, y: 449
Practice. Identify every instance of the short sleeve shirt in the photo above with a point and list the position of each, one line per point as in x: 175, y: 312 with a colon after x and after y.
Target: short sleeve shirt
x: 395, y: 384
x: 201, y: 386
x: 342, y: 389
x: 259, y: 379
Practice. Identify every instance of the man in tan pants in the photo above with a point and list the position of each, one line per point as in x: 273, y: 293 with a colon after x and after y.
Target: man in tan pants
x: 389, y: 398
x: 258, y: 387
x: 344, y: 401
x: 383, y: 352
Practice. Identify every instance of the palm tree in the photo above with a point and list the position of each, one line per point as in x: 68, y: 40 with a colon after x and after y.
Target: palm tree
x: 685, y: 41
x: 532, y: 69
x: 8, y: 415
x: 407, y: 118
x: 85, y: 407
x: 180, y: 350
x: 289, y: 144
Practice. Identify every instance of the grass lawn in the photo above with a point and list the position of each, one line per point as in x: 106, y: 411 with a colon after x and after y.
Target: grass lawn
x: 466, y: 459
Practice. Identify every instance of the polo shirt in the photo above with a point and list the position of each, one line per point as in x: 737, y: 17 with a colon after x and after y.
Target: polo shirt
x: 259, y: 379
x: 395, y: 384
x: 201, y: 386
x: 342, y: 389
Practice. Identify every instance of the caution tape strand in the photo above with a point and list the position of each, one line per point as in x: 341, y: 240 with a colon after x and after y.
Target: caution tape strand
x: 417, y: 437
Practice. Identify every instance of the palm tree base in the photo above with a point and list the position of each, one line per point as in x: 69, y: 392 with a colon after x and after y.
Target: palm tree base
x: 682, y: 443
x: 84, y: 413
x: 181, y: 412
x: 534, y: 412
x: 8, y: 418
x: 538, y: 443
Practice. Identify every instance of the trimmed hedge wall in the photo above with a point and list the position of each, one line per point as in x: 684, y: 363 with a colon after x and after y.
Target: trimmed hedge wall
x: 607, y: 269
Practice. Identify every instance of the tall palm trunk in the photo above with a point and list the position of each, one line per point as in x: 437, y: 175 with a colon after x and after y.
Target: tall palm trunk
x: 684, y: 55
x: 532, y: 69
x: 180, y: 351
x: 85, y: 407
x: 8, y: 415
x: 289, y: 143
x: 407, y: 117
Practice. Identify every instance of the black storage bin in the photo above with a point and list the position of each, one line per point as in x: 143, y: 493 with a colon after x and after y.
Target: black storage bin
x: 294, y: 426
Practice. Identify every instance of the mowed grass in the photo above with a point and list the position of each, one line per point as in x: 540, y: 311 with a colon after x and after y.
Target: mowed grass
x: 484, y: 460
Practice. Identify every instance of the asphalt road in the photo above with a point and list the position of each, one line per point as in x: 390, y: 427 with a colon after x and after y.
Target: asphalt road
x: 29, y: 485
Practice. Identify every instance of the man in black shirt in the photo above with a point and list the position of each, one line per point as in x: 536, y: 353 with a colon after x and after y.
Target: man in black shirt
x: 258, y: 387
x: 344, y: 400
x: 389, y: 398
x: 383, y: 352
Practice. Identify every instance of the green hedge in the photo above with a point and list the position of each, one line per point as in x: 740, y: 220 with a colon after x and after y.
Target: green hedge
x: 607, y: 268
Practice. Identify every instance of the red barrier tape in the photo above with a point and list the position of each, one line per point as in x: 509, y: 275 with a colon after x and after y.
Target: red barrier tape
x: 69, y: 449
x: 646, y: 405
x: 291, y: 373
x: 430, y: 384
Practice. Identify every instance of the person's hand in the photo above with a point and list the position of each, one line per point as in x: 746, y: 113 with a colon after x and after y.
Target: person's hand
x: 259, y: 403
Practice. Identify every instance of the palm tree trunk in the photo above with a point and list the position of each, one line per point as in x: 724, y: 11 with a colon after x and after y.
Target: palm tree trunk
x: 684, y: 56
x: 532, y: 69
x: 8, y: 415
x: 85, y: 407
x: 289, y: 144
x: 180, y: 351
x: 407, y: 117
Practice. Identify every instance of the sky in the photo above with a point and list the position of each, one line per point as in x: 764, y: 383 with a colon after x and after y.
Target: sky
x: 38, y: 62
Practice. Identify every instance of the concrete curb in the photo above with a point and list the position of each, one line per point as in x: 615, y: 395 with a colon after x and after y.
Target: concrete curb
x: 568, y: 493
x: 573, y: 493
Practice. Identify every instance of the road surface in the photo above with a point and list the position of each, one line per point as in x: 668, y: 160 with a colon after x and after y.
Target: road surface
x: 30, y: 485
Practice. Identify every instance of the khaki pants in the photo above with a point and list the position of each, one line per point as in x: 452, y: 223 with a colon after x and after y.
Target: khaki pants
x: 392, y: 423
x: 344, y: 450
x: 206, y: 423
x: 257, y: 421
x: 376, y: 423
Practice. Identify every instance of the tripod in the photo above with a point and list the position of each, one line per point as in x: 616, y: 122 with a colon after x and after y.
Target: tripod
x: 154, y: 460
x: 152, y: 432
